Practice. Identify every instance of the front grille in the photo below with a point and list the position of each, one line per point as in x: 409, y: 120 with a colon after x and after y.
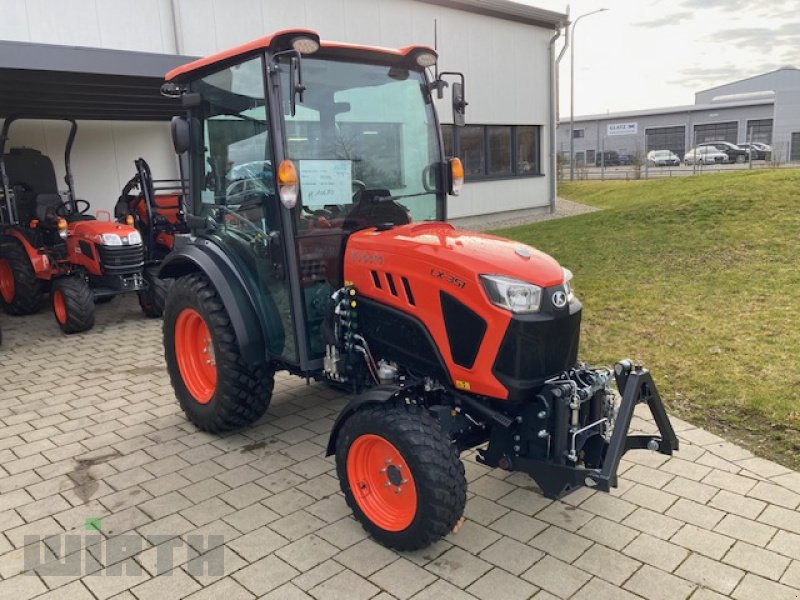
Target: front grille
x: 121, y: 260
x: 535, y: 349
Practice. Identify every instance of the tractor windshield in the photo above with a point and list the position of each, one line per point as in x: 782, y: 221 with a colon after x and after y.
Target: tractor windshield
x: 365, y: 141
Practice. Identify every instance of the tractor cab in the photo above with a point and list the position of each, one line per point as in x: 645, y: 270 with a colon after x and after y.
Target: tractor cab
x: 292, y: 151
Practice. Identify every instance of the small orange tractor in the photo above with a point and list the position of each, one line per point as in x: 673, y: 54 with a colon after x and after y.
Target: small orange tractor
x: 318, y: 246
x: 49, y: 242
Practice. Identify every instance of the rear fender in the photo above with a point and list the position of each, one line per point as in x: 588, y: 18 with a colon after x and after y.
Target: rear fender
x: 42, y: 266
x: 202, y: 256
x: 376, y: 395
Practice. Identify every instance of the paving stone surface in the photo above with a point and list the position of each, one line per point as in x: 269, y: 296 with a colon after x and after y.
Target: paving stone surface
x: 106, y: 491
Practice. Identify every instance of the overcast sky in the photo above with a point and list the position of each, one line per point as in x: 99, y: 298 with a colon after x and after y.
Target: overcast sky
x: 652, y: 53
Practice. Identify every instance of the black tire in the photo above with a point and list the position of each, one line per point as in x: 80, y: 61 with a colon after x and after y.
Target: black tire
x: 28, y: 291
x: 73, y: 304
x: 431, y: 459
x: 241, y: 393
x: 153, y: 296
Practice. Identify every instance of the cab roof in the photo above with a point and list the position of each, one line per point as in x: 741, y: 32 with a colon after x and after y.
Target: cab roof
x: 281, y: 40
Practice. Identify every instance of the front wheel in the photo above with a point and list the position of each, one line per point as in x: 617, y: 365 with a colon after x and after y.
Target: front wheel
x: 216, y: 389
x: 73, y: 304
x: 401, y: 475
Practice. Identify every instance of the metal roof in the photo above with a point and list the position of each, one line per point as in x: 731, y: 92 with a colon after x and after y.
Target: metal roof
x: 507, y: 10
x: 50, y: 81
x: 668, y: 110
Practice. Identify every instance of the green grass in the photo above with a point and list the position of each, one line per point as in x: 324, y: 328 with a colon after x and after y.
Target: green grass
x: 698, y: 278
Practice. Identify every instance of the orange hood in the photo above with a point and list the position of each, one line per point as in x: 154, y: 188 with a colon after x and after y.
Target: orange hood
x: 459, y: 252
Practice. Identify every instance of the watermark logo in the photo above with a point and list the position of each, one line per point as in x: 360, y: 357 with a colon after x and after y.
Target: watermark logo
x: 72, y: 555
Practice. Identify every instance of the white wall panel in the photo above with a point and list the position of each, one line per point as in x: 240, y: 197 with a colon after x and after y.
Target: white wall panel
x: 235, y: 27
x: 126, y: 25
x: 69, y: 22
x: 196, y: 25
x: 505, y: 63
x: 14, y: 21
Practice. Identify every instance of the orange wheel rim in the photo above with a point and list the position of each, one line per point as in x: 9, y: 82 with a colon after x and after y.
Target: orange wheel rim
x: 195, y: 353
x: 6, y: 281
x: 381, y: 482
x: 59, y: 307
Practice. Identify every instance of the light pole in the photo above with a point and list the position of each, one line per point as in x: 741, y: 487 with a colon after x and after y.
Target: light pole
x: 572, y: 92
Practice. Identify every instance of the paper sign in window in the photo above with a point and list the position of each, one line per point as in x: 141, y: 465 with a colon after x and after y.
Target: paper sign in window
x: 326, y: 182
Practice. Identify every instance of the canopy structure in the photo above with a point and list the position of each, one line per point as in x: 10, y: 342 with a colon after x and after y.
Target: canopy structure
x: 50, y: 81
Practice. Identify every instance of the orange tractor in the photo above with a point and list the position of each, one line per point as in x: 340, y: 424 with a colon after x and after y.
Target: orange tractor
x: 155, y: 207
x: 318, y: 246
x: 49, y: 242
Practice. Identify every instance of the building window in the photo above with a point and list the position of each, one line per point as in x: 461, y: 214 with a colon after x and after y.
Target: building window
x: 666, y: 138
x: 759, y: 130
x: 578, y: 133
x: 590, y: 157
x: 716, y: 132
x: 495, y: 151
x: 472, y: 151
x: 528, y: 150
x: 499, y: 150
x: 794, y: 151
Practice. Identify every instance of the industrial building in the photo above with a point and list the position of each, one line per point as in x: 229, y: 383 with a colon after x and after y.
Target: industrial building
x: 764, y: 108
x: 83, y: 58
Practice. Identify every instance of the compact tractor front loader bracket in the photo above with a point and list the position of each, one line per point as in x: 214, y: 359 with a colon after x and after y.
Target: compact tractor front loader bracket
x: 636, y: 386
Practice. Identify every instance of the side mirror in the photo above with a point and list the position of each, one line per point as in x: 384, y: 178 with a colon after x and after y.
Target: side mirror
x: 459, y: 104
x: 181, y: 140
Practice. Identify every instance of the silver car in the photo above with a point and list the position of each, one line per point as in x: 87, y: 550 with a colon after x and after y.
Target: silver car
x: 705, y: 155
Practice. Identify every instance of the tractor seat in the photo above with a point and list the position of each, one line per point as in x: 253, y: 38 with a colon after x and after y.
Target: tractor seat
x: 368, y: 212
x: 33, y: 177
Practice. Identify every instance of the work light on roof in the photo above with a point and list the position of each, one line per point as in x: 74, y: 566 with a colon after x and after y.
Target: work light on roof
x: 305, y: 45
x: 426, y: 59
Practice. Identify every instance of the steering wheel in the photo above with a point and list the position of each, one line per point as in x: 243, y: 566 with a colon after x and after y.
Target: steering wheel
x: 62, y: 211
x: 257, y: 231
x: 318, y: 212
x: 358, y: 187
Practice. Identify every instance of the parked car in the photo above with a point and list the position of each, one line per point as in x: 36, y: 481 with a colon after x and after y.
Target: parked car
x: 734, y: 153
x: 663, y: 158
x: 609, y: 158
x: 705, y: 155
x: 625, y: 160
x: 758, y: 151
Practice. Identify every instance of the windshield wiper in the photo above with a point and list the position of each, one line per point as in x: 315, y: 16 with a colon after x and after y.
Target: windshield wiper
x: 399, y: 197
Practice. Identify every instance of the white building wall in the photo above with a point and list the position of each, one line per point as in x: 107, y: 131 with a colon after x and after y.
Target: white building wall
x: 505, y: 64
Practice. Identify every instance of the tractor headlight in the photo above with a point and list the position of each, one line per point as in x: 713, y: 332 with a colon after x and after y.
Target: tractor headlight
x: 512, y: 294
x: 134, y: 238
x: 111, y: 239
x: 568, y: 285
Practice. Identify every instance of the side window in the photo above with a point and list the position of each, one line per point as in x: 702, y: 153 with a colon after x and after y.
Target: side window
x: 237, y: 166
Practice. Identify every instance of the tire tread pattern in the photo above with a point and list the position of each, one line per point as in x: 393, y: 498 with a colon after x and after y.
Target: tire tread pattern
x: 438, y: 472
x: 27, y: 288
x: 79, y: 301
x: 243, y: 392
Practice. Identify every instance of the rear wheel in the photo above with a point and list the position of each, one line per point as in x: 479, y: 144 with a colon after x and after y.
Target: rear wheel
x: 20, y: 290
x: 73, y: 304
x: 400, y: 475
x: 216, y: 389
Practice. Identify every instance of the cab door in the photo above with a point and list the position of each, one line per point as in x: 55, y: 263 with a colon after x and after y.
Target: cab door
x: 235, y: 171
